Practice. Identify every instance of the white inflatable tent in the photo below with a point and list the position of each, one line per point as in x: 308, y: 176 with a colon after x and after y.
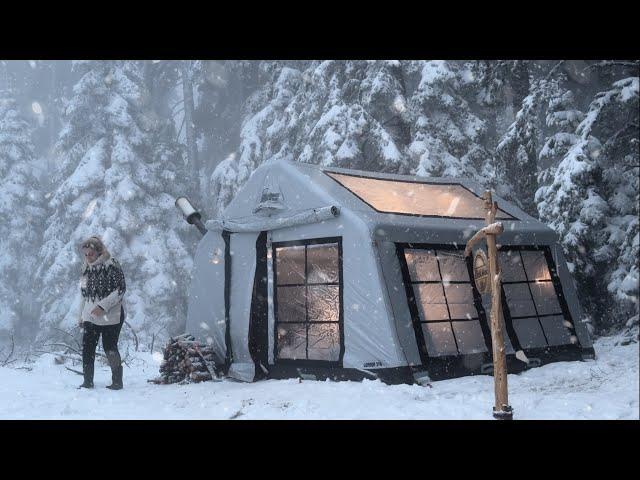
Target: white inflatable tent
x: 342, y: 274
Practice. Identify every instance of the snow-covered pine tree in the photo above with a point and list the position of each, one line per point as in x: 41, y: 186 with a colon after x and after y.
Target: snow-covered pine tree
x: 496, y: 91
x: 573, y: 206
x: 262, y: 134
x: 613, y: 118
x: 389, y: 116
x: 358, y: 115
x: 343, y: 113
x: 22, y: 215
x: 120, y: 171
x: 592, y: 200
x: 517, y: 150
x: 221, y: 89
x: 561, y: 120
x: 447, y: 136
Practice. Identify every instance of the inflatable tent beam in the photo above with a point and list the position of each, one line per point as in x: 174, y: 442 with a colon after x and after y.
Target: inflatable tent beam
x: 314, y: 215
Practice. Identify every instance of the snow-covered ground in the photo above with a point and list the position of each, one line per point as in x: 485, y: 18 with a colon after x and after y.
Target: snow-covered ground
x: 606, y: 388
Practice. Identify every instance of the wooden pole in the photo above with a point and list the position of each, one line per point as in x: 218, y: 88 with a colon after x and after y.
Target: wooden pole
x: 501, y: 409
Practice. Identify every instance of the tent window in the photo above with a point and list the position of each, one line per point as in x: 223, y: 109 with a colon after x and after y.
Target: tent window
x: 531, y: 298
x: 443, y: 295
x: 322, y: 263
x: 439, y: 339
x: 529, y: 332
x: 450, y: 200
x: 290, y: 265
x: 469, y: 336
x: 308, y: 300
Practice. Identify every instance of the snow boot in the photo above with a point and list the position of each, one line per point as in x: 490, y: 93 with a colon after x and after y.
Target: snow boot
x: 116, y: 378
x: 115, y: 362
x: 87, y: 370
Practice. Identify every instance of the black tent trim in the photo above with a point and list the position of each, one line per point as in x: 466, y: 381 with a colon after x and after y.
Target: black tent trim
x: 390, y: 376
x: 226, y: 236
x: 259, y: 318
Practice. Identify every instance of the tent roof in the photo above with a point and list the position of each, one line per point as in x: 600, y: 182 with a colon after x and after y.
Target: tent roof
x: 314, y: 186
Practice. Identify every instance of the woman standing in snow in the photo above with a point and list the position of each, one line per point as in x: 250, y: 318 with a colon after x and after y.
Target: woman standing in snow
x: 102, y: 286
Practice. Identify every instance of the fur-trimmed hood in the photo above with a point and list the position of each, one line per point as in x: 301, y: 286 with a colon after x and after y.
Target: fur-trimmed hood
x: 104, y: 256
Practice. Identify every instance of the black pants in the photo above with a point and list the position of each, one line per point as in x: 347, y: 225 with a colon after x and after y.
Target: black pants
x: 110, y: 334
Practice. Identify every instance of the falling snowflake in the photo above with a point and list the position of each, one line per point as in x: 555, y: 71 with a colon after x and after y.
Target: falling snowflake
x: 216, y: 258
x: 37, y: 108
x: 90, y: 208
x: 452, y: 206
x: 399, y: 104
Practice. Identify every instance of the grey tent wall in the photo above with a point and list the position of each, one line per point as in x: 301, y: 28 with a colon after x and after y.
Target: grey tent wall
x: 206, y: 302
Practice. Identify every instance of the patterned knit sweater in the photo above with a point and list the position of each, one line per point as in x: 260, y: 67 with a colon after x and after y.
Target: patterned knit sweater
x: 102, y: 284
x: 103, y: 279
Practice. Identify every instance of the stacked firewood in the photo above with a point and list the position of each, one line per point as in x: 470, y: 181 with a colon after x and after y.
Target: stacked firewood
x: 186, y: 360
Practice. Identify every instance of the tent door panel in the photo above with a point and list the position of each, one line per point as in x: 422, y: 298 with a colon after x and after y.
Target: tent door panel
x: 258, y: 324
x: 242, y: 257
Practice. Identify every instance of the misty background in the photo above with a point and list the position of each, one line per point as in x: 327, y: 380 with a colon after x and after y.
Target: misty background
x: 105, y: 147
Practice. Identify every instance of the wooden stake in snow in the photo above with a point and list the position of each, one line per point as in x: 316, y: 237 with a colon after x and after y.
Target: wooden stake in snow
x: 501, y: 409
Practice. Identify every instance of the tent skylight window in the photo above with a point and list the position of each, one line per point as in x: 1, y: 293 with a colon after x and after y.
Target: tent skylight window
x: 415, y: 198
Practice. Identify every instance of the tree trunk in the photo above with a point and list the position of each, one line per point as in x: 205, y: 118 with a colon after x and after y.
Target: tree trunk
x: 192, y: 148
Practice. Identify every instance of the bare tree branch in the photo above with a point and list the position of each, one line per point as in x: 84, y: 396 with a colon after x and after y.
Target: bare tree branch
x: 608, y: 63
x: 180, y: 131
x: 64, y: 345
x: 62, y: 354
x: 556, y: 66
x: 74, y: 371
x: 173, y: 114
x: 615, y: 136
x: 70, y: 335
x: 8, y: 360
x: 135, y: 336
x: 154, y: 336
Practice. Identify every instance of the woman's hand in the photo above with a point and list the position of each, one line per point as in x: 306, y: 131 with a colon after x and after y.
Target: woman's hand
x: 98, y: 311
